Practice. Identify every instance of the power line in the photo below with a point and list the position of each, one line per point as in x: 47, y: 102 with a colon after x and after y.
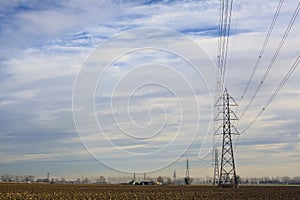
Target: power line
x: 291, y: 23
x: 224, y: 32
x: 263, y: 48
x: 275, y: 93
x: 232, y: 41
x: 227, y: 40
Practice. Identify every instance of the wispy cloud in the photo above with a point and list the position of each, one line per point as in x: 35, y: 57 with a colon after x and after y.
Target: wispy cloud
x: 44, y: 44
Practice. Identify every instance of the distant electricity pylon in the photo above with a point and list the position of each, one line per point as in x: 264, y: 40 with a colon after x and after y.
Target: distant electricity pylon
x: 187, y: 179
x: 187, y: 172
x: 216, y: 167
x: 174, y: 177
x: 228, y: 176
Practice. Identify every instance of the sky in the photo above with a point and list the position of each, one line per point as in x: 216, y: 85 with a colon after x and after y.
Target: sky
x: 115, y: 87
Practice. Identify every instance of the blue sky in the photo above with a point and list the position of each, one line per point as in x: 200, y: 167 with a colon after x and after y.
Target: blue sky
x: 44, y: 45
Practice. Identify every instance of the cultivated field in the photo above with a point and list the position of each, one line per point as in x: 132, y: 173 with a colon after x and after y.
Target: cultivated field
x: 48, y: 191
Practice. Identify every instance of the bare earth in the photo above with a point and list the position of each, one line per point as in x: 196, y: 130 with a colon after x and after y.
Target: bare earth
x: 70, y: 191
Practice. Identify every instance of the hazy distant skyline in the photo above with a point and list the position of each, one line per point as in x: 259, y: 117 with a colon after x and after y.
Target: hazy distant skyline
x: 44, y: 44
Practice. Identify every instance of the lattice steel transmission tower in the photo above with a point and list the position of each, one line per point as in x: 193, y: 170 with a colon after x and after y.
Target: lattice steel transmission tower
x: 228, y: 176
x: 216, y: 167
x: 187, y: 178
x: 187, y: 172
x: 174, y: 178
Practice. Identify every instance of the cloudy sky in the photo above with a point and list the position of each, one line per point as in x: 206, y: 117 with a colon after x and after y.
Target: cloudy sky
x: 91, y: 87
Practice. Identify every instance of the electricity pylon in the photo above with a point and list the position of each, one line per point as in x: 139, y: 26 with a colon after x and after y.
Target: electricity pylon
x: 187, y: 179
x: 216, y: 167
x: 228, y: 176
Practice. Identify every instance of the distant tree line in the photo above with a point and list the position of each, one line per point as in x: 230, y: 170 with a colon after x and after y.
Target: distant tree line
x: 163, y: 180
x: 270, y: 180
